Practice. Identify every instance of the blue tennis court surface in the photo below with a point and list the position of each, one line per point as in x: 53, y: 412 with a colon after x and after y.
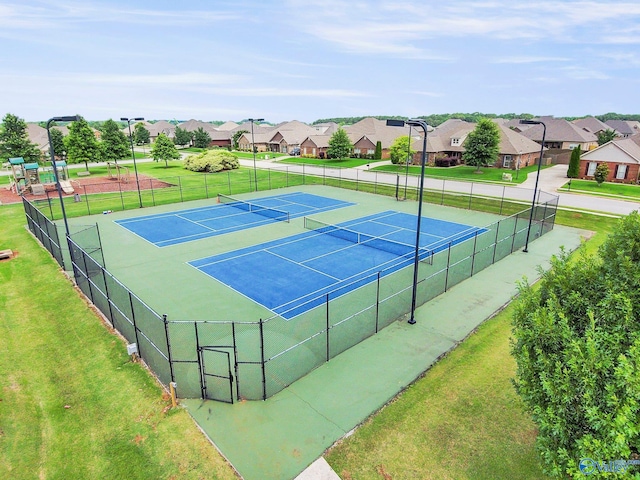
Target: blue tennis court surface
x: 294, y: 274
x: 171, y: 228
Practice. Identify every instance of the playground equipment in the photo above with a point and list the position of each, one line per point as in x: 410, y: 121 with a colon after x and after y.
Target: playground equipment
x: 27, y: 176
x: 117, y: 172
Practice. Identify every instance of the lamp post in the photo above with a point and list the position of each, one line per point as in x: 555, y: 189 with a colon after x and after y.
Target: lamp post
x: 253, y: 149
x: 535, y: 188
x: 422, y: 124
x: 133, y: 155
x: 406, y: 170
x: 70, y: 118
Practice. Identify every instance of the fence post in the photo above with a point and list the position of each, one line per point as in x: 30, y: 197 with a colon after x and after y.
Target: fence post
x: 206, y: 190
x: 203, y: 387
x: 86, y: 198
x: 133, y: 320
x: 235, y: 359
x: 106, y: 292
x: 446, y: 277
x: 264, y: 375
x: 50, y: 208
x: 327, y: 311
x: 180, y: 187
x: 470, y: 196
x: 169, y: 357
x: 153, y: 193
x: 502, y: 199
x: 473, y: 257
x: 515, y: 231
x: 121, y: 197
x: 377, y: 301
x: 495, y: 243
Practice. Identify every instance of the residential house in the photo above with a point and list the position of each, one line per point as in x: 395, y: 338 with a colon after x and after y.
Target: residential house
x: 366, y: 133
x: 447, y: 140
x: 561, y: 137
x: 591, y: 124
x: 315, y: 146
x: 621, y: 155
x: 162, y: 126
x: 623, y: 127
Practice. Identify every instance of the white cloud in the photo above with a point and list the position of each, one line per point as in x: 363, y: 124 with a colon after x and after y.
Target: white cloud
x: 525, y: 59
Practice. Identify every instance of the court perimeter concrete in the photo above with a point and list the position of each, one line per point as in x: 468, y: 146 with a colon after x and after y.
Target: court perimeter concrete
x: 278, y: 438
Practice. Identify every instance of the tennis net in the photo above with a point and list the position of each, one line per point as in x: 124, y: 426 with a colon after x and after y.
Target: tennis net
x: 397, y: 248
x: 276, y: 214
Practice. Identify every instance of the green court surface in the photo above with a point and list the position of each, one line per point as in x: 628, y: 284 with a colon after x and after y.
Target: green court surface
x: 279, y: 437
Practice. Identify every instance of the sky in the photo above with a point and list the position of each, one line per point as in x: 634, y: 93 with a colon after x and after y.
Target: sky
x: 311, y: 59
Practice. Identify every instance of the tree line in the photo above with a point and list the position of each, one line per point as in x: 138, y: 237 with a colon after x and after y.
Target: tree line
x: 439, y: 118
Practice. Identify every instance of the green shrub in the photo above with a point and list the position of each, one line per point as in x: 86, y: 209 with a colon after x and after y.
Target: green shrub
x: 212, y: 161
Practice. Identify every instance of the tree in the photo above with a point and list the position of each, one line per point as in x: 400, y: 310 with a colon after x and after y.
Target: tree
x: 606, y: 136
x: 339, y: 145
x: 576, y: 342
x: 182, y: 137
x: 482, y: 146
x: 115, y: 144
x: 574, y: 163
x: 201, y: 138
x: 236, y: 138
x: 399, y: 151
x: 164, y: 149
x: 141, y: 135
x: 81, y: 144
x: 378, y: 154
x: 14, y: 140
x: 601, y: 173
x: 57, y: 140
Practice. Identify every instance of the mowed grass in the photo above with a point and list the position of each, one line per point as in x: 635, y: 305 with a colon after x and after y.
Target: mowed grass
x: 72, y: 404
x: 606, y: 188
x: 462, y: 419
x: 464, y: 172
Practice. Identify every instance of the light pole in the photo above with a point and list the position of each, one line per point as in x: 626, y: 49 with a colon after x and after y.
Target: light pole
x: 535, y: 188
x: 406, y: 170
x: 70, y: 118
x: 253, y: 149
x: 133, y: 155
x: 422, y: 124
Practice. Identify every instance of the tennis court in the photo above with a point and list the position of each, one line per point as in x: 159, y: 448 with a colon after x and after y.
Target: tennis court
x: 229, y: 215
x: 295, y: 274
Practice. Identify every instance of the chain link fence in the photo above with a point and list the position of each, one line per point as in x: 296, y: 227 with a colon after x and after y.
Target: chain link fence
x: 254, y: 359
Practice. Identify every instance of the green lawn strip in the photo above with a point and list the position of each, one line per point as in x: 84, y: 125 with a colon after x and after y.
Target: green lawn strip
x: 259, y: 155
x: 332, y: 163
x: 73, y: 404
x: 462, y: 419
x: 619, y: 190
x: 464, y: 172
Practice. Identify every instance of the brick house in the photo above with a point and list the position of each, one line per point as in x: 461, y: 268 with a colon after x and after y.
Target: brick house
x: 621, y: 155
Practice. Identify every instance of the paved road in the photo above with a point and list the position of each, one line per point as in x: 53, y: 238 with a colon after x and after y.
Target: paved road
x: 550, y: 180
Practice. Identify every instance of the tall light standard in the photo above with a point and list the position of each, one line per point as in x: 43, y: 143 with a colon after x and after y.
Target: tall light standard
x: 422, y: 124
x: 70, y: 118
x: 133, y: 155
x: 253, y: 149
x: 535, y: 188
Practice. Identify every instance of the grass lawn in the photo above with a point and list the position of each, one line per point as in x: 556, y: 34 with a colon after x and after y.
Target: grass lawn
x: 606, y: 188
x: 259, y: 155
x: 463, y: 419
x: 464, y: 172
x: 72, y: 404
x: 333, y: 163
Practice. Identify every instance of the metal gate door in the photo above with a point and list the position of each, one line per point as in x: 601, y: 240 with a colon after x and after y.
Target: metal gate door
x: 215, y: 374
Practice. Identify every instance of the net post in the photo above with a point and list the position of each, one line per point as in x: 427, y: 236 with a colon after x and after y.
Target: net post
x: 446, y: 278
x: 199, y: 357
x: 473, y: 256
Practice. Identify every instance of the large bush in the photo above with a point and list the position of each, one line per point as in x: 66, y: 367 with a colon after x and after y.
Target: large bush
x: 577, y: 348
x: 212, y: 161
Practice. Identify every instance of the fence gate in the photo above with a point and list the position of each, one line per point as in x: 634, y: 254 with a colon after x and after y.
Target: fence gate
x: 215, y: 374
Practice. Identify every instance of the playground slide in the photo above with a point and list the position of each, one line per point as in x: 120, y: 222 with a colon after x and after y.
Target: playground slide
x: 66, y: 186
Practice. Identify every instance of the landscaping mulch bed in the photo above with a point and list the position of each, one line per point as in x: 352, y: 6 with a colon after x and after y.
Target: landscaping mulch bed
x: 89, y: 185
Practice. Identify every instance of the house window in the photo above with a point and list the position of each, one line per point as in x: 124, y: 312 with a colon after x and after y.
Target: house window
x: 506, y: 161
x: 621, y: 172
x: 455, y: 141
x: 591, y: 170
x: 356, y: 151
x: 371, y: 151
